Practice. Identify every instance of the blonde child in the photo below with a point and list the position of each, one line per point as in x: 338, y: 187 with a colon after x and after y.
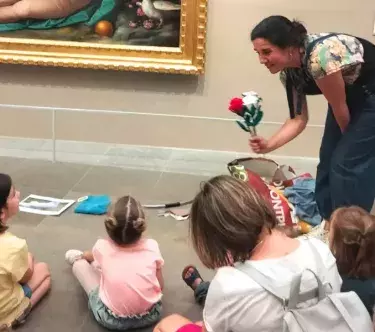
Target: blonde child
x: 122, y: 276
x: 23, y: 283
x: 352, y: 241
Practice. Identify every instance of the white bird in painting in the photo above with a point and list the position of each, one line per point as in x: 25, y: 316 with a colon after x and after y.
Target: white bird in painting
x: 156, y: 9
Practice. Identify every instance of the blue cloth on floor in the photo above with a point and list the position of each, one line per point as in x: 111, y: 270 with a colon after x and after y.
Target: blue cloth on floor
x: 302, y: 196
x: 94, y: 205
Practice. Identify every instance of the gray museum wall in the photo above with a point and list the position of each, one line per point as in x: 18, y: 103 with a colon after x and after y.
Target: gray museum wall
x: 232, y: 67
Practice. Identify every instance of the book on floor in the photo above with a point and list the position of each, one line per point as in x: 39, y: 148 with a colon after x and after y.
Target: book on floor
x: 44, y: 205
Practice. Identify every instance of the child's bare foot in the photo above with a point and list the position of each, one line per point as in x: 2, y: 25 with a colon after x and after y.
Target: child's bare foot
x: 191, y: 276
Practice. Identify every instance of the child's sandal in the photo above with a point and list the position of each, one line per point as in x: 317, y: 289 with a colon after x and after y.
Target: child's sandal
x: 194, y: 275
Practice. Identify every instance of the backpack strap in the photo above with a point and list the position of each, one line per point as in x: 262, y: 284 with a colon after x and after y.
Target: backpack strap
x: 283, y: 293
x: 294, y: 297
x: 250, y: 270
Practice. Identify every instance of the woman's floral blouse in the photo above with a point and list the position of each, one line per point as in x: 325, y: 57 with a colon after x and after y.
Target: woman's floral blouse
x: 329, y: 55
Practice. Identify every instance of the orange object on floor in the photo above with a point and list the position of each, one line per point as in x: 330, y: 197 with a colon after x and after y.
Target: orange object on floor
x: 304, y: 227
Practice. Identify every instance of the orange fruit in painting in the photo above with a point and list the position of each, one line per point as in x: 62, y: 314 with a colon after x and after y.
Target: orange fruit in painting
x: 104, y: 29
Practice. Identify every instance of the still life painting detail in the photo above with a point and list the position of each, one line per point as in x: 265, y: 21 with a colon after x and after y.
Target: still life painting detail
x: 132, y: 22
x: 159, y: 29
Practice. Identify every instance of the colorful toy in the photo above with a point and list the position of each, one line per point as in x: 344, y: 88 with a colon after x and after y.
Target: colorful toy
x: 92, y: 204
x: 250, y: 109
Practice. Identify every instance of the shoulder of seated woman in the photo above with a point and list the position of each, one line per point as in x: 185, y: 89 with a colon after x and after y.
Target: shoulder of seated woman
x: 231, y: 282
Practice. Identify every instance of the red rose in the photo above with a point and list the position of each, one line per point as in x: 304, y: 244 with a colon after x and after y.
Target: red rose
x: 236, y: 105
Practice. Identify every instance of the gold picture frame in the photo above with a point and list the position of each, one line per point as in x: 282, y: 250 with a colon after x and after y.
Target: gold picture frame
x: 188, y: 57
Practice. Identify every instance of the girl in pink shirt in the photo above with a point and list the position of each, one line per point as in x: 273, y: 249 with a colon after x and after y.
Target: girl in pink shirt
x: 122, y: 275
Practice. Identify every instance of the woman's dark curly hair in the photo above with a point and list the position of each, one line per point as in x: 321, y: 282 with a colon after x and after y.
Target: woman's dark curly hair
x: 280, y: 31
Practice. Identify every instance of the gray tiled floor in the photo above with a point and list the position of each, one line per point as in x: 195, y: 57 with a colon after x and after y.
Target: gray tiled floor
x: 65, y: 308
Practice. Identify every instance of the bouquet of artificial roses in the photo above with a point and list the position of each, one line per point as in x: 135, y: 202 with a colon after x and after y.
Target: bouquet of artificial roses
x: 250, y: 109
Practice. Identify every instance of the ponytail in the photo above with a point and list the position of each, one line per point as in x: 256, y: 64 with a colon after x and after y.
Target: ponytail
x: 353, y: 241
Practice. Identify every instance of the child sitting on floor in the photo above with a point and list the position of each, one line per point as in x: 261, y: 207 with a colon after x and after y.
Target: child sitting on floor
x: 22, y: 281
x: 231, y: 227
x: 352, y: 241
x: 122, y: 276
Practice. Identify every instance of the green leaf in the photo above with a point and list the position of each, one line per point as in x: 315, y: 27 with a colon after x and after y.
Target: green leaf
x: 247, y: 117
x: 243, y: 126
x: 258, y: 116
x: 252, y: 110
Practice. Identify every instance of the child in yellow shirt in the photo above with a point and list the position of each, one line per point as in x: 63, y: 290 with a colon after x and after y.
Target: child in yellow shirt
x: 22, y: 281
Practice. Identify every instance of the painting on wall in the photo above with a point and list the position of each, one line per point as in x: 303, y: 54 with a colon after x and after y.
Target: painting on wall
x: 139, y: 35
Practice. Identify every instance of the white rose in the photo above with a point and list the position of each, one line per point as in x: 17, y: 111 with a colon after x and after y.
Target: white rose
x: 251, y: 98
